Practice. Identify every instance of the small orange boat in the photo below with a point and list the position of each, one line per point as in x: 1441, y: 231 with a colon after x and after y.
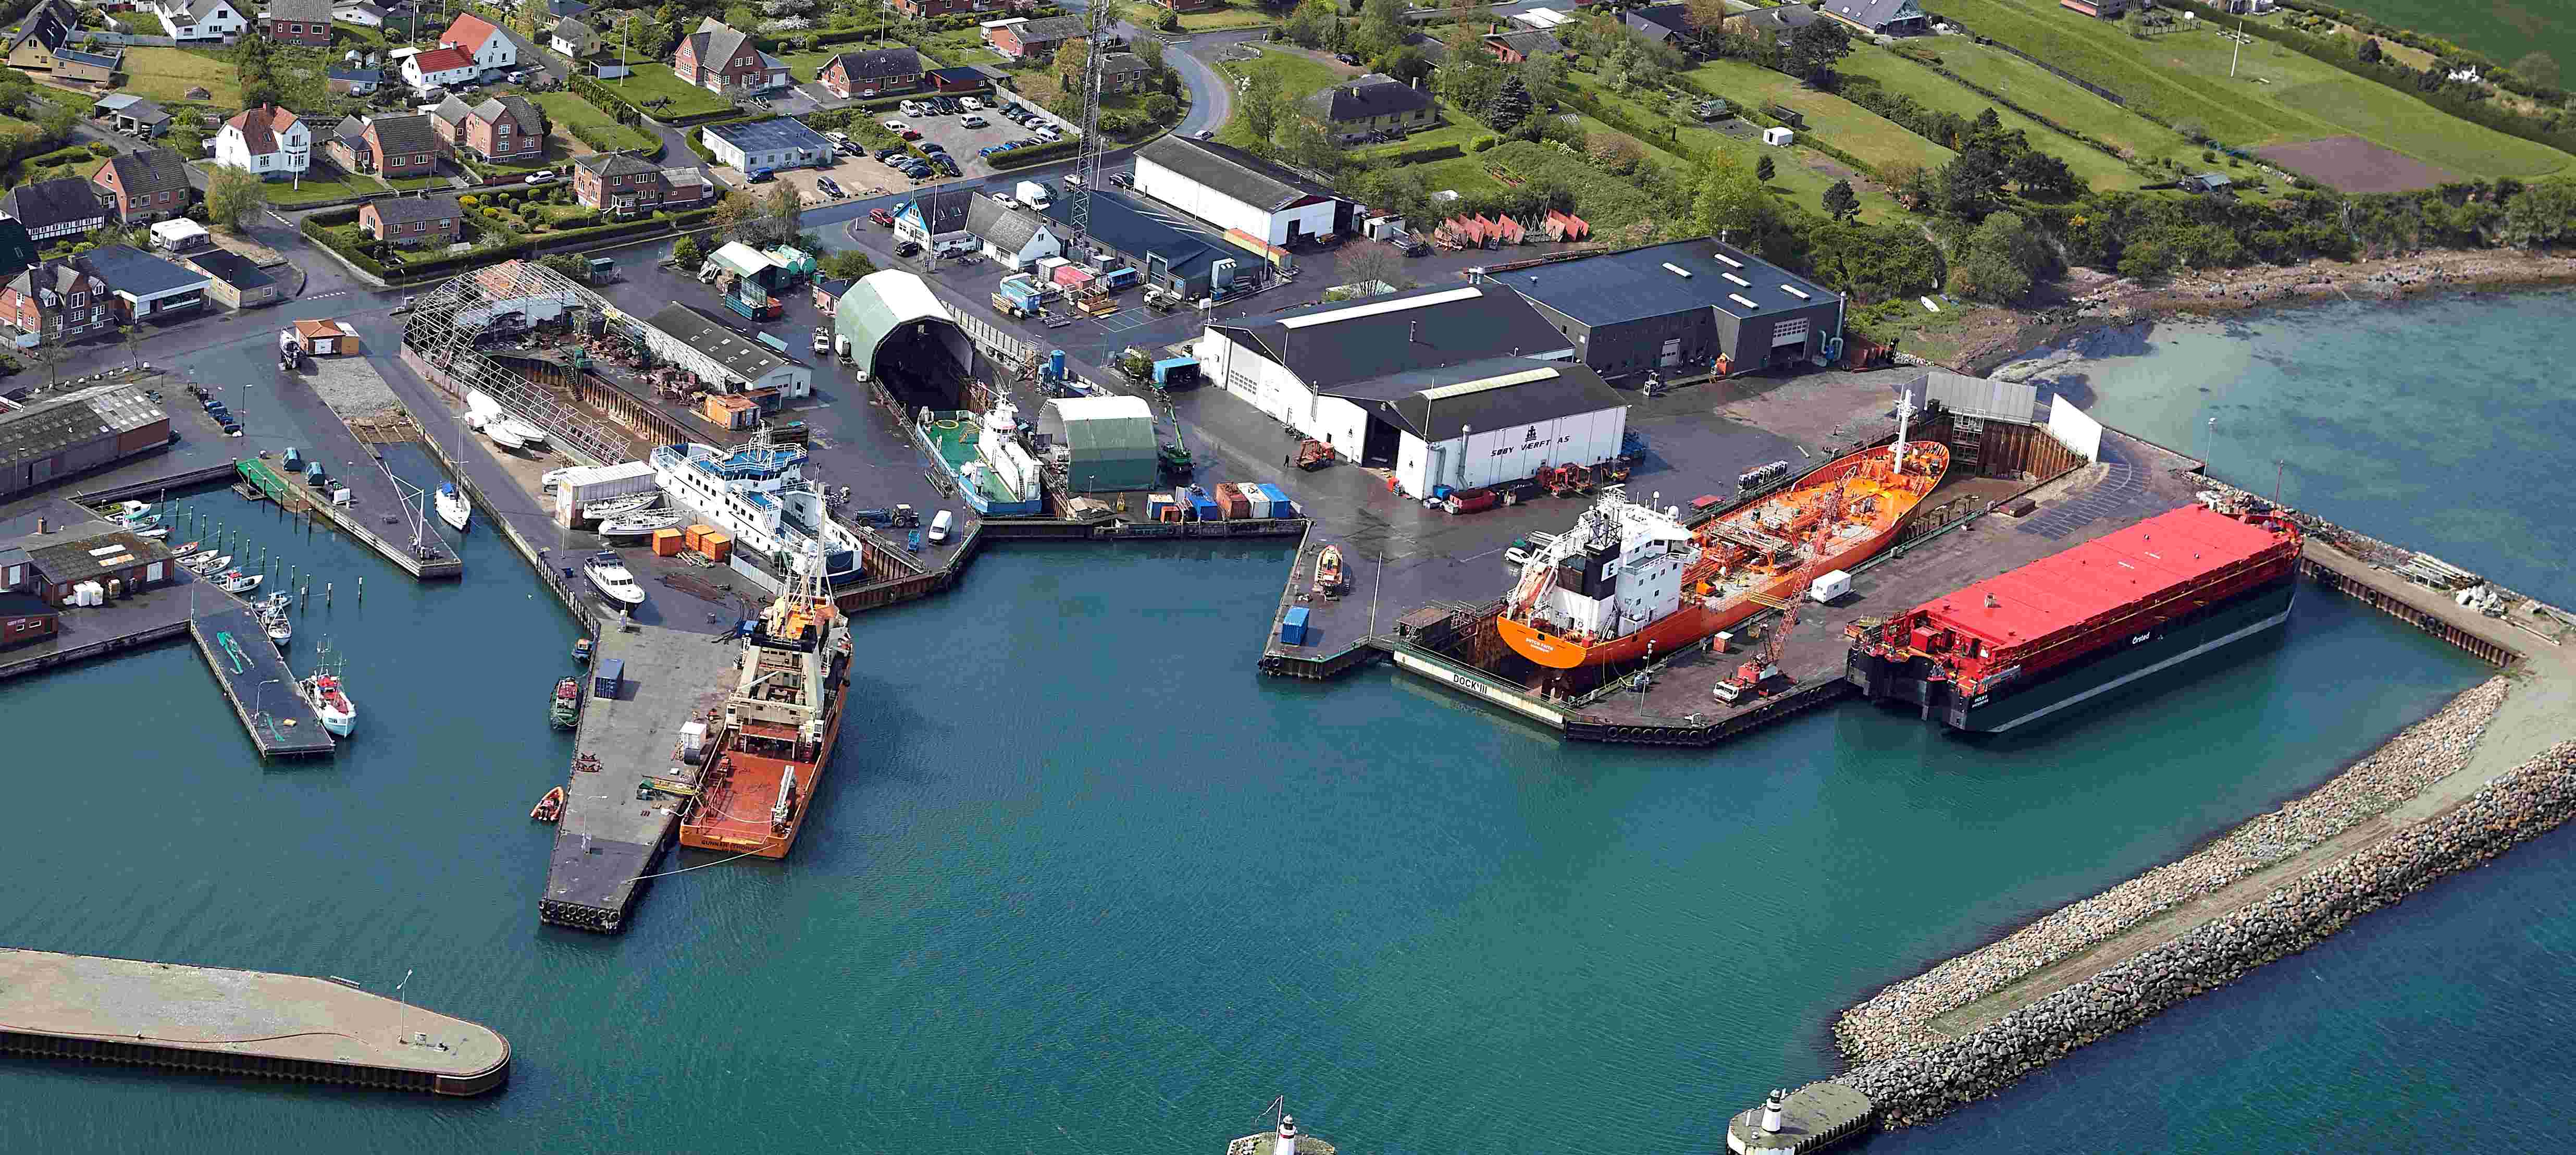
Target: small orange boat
x: 549, y: 807
x: 1328, y: 572
x: 1629, y: 581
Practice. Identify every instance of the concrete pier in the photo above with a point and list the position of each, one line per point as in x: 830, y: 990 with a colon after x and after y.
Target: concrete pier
x: 1811, y: 1118
x: 237, y: 1022
x: 609, y: 839
x: 377, y: 513
x: 256, y: 680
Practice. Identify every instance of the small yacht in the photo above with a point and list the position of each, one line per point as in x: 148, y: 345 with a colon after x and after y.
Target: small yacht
x: 608, y: 572
x: 452, y: 506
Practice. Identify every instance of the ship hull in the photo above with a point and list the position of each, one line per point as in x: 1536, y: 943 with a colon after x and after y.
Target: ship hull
x: 809, y: 778
x: 2106, y: 669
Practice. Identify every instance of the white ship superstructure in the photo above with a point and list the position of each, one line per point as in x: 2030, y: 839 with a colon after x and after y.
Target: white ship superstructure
x: 757, y: 493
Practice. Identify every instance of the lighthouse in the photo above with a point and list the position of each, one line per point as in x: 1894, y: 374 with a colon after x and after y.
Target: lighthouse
x: 1283, y: 1141
x: 1771, y: 1117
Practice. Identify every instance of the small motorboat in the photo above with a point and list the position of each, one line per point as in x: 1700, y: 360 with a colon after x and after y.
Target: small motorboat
x: 550, y: 807
x: 211, y: 565
x: 184, y: 552
x: 608, y: 572
x: 237, y: 582
x: 565, y: 710
x: 133, y: 509
x: 452, y: 506
x: 155, y: 531
x: 638, y: 524
x: 279, y: 629
x: 525, y: 432
x: 146, y: 521
x: 501, y: 435
x: 581, y: 650
x: 622, y: 506
x: 192, y: 558
x: 1328, y: 572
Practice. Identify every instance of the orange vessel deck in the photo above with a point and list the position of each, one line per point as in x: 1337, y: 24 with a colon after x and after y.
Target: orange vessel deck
x: 733, y: 810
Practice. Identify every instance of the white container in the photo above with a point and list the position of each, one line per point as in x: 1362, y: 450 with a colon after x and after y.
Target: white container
x: 693, y: 741
x: 1830, y: 585
x: 1776, y: 136
x: 939, y: 525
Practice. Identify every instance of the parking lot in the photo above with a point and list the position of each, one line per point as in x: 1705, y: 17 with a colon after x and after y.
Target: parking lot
x: 966, y: 145
x: 859, y: 177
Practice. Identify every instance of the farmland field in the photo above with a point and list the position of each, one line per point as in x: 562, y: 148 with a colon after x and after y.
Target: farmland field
x: 2504, y: 29
x: 1902, y: 77
x: 1876, y: 140
x: 2032, y: 87
x: 1803, y: 174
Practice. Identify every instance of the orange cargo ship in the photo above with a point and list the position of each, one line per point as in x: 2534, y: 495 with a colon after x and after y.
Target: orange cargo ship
x: 1629, y: 581
x: 775, y: 735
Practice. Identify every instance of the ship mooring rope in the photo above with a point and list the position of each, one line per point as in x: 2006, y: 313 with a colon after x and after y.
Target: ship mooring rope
x: 700, y: 866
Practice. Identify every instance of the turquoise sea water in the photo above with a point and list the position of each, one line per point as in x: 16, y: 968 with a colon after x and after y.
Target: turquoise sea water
x: 1085, y: 882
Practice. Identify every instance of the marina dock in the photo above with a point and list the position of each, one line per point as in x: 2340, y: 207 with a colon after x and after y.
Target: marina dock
x: 377, y: 512
x: 235, y: 1022
x: 256, y: 680
x: 608, y: 838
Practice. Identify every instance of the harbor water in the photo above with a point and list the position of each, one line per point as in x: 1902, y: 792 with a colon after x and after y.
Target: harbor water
x: 1082, y: 880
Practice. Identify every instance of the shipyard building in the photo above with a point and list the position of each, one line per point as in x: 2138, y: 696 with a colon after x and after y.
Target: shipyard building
x: 76, y: 433
x: 1681, y: 309
x: 894, y: 330
x: 1235, y: 190
x: 1458, y: 387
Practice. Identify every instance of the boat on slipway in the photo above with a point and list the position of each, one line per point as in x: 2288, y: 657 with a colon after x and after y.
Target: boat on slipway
x: 633, y: 504
x: 635, y: 525
x: 1629, y: 581
x: 982, y: 455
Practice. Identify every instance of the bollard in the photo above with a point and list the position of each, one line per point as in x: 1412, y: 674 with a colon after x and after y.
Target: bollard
x: 326, y: 593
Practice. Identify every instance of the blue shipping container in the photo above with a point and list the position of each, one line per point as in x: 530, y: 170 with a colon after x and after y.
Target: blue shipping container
x: 1280, y: 506
x: 1293, y: 628
x: 608, y: 678
x: 1205, y: 508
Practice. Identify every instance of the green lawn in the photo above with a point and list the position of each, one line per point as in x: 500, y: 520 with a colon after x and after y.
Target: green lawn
x: 166, y: 74
x: 1455, y: 131
x: 1902, y: 77
x: 1298, y: 77
x: 1876, y: 140
x: 2275, y: 97
x: 322, y: 183
x: 655, y: 81
x: 568, y: 111
x: 2031, y: 86
x: 1228, y: 17
x: 141, y: 23
x: 415, y: 183
x: 1793, y: 178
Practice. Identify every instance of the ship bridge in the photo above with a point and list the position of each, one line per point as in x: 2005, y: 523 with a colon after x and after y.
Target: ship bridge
x: 899, y: 334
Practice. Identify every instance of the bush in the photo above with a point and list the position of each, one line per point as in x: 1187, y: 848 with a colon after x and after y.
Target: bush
x: 1482, y: 142
x: 102, y: 150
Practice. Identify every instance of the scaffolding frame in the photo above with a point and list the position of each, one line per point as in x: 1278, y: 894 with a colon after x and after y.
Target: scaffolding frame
x: 448, y: 326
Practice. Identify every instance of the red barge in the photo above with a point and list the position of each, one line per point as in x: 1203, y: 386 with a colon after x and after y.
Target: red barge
x: 2023, y: 645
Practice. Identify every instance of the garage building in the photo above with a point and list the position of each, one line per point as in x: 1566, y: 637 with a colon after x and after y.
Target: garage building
x: 57, y: 438
x: 900, y: 335
x: 1683, y: 308
x: 766, y: 145
x: 724, y: 359
x: 1233, y: 189
x: 1103, y: 444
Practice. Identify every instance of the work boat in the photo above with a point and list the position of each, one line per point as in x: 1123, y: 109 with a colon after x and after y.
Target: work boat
x: 322, y: 691
x: 452, y: 506
x: 1629, y: 580
x: 608, y: 572
x: 779, y: 723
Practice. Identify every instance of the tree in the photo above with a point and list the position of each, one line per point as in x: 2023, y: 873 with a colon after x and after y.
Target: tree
x: 1371, y: 261
x: 1511, y: 105
x: 736, y: 209
x: 2003, y: 258
x: 232, y: 196
x: 1301, y: 142
x: 130, y: 335
x: 1731, y: 202
x: 1841, y: 203
x: 1968, y: 186
x: 1071, y: 69
x: 1705, y: 17
x: 2369, y: 51
x: 567, y: 264
x: 1813, y: 50
x: 846, y: 265
x: 1406, y: 63
x: 1463, y: 37
x: 1613, y: 153
x: 1150, y: 50
x: 1160, y: 108
x: 742, y: 18
x: 2543, y: 213
x: 1381, y: 28
x: 2041, y: 175
x: 786, y: 207
x: 1764, y: 170
x: 688, y: 254
x: 1258, y: 105
x: 1313, y: 23
x: 2538, y: 67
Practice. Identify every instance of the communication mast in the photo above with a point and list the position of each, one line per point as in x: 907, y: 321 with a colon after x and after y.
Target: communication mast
x: 1086, y: 158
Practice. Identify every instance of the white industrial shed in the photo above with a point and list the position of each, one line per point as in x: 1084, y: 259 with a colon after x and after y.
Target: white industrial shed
x: 721, y: 357
x: 1233, y: 189
x: 1462, y: 386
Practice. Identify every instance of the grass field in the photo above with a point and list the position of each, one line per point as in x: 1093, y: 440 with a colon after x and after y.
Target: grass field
x: 322, y: 183
x: 656, y: 81
x: 1227, y: 17
x: 1298, y: 76
x: 1875, y: 139
x: 2028, y: 85
x: 2277, y: 96
x: 1899, y: 76
x: 166, y: 74
x: 2504, y: 29
x: 1794, y: 180
x: 568, y: 112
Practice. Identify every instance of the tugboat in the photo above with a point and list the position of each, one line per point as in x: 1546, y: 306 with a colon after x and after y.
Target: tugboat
x: 550, y: 807
x: 566, y: 709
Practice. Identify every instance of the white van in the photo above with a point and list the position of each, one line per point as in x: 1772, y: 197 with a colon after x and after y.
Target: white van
x: 939, y: 525
x: 910, y: 107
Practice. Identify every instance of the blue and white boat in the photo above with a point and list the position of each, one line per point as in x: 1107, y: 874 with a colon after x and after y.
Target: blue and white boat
x: 452, y: 506
x: 757, y: 492
x: 983, y: 455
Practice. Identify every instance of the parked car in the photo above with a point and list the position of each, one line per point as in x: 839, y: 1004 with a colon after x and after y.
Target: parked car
x: 971, y: 104
x: 974, y: 122
x: 893, y: 125
x: 1122, y: 180
x: 542, y: 174
x: 1007, y: 200
x: 907, y: 249
x: 889, y: 153
x: 949, y: 166
x: 828, y: 185
x: 910, y: 134
x: 880, y: 216
x: 934, y: 146
x: 764, y: 176
x: 910, y: 108
x: 1206, y: 134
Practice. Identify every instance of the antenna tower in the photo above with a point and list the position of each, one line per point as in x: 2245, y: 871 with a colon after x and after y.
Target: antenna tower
x: 1097, y: 19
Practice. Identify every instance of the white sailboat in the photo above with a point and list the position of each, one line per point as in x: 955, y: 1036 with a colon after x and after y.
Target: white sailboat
x: 452, y: 506
x: 640, y: 524
x: 608, y: 572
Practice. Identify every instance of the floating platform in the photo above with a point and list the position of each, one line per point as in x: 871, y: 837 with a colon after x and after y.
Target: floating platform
x: 257, y: 681
x: 234, y: 1022
x: 608, y: 839
x: 1812, y: 1118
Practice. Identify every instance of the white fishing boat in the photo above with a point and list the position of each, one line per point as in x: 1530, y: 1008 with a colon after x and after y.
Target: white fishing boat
x: 211, y: 565
x: 237, y: 582
x: 616, y: 507
x: 608, y: 572
x: 146, y: 521
x: 191, y: 561
x: 640, y: 524
x: 133, y: 509
x: 452, y: 506
x: 323, y: 692
x: 279, y: 629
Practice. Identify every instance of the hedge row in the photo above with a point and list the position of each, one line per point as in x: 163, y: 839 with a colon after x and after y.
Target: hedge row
x: 2007, y: 103
x: 1034, y: 154
x: 599, y: 95
x: 512, y: 247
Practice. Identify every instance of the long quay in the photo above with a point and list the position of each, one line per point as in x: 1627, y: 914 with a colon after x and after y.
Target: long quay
x: 377, y: 513
x: 212, y: 1019
x: 609, y: 839
x: 256, y: 680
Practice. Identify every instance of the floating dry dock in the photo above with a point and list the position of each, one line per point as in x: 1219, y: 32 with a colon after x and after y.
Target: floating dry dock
x: 211, y: 1019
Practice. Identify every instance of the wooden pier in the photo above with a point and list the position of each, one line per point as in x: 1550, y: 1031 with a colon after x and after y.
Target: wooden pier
x: 256, y: 680
x: 216, y: 1020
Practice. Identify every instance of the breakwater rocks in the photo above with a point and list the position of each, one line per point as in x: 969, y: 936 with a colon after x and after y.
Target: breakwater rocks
x: 1898, y: 1020
x: 1923, y: 1084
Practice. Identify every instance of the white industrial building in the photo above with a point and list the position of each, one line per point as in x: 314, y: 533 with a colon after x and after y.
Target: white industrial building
x: 1461, y: 387
x: 1233, y: 189
x: 721, y: 357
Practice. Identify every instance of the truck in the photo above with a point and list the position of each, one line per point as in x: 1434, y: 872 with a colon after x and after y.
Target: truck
x: 1034, y: 194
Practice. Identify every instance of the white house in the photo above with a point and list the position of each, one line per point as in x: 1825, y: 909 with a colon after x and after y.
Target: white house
x: 938, y: 219
x: 361, y: 13
x: 1015, y: 237
x: 1233, y: 189
x: 1463, y: 386
x: 439, y: 68
x: 268, y: 140
x: 200, y: 19
x: 491, y: 48
x: 765, y: 145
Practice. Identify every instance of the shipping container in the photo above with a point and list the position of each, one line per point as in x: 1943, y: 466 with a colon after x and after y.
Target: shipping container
x: 666, y: 543
x: 718, y: 547
x: 1231, y: 503
x: 1830, y: 585
x: 1293, y: 629
x: 1202, y: 506
x: 1181, y: 497
x: 608, y: 678
x: 1280, y: 506
x: 1158, y: 507
x: 696, y: 535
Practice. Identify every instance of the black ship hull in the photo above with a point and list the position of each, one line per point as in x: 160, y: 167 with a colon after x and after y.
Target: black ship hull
x: 2106, y: 669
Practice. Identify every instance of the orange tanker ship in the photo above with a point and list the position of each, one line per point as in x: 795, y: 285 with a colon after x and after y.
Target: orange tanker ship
x: 777, y: 728
x: 1629, y: 581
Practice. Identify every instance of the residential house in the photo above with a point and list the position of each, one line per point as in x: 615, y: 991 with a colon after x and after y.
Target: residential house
x: 44, y: 42
x: 354, y: 81
x: 1123, y: 72
x: 622, y: 184
x: 267, y: 140
x: 566, y: 9
x: 200, y: 19
x: 143, y: 287
x: 232, y: 281
x: 430, y: 219
x: 1014, y: 237
x: 828, y: 290
x: 961, y: 79
x: 721, y: 60
x: 573, y: 38
x: 1774, y: 24
x: 132, y: 115
x: 360, y: 13
x: 1881, y: 17
x: 51, y: 209
x: 1035, y: 38
x: 54, y: 302
x: 1373, y: 103
x: 1515, y: 47
x: 936, y: 219
x: 439, y: 68
x: 395, y: 146
x: 880, y: 71
x: 1660, y: 23
x: 491, y: 49
x: 508, y: 129
x: 142, y: 187
x: 305, y: 22
x: 924, y: 9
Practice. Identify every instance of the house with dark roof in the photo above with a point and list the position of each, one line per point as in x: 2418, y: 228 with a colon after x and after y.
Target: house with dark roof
x: 94, y: 551
x: 1023, y: 39
x: 1123, y: 72
x: 45, y: 42
x: 46, y: 441
x: 828, y: 290
x: 55, y: 302
x: 132, y: 115
x: 428, y: 219
x: 396, y: 146
x: 1451, y: 385
x: 1774, y: 23
x: 142, y: 287
x: 305, y: 22
x: 936, y: 219
x: 1015, y: 237
x: 353, y: 81
x: 232, y: 281
x: 17, y: 249
x: 26, y: 619
x: 723, y: 60
x: 142, y: 187
x: 1165, y: 256
x: 63, y: 207
x: 1686, y: 307
x: 573, y: 37
x: 1373, y: 103
x: 1880, y: 17
x: 882, y: 70
x: 1661, y: 23
x: 1515, y: 47
x: 622, y: 184
x: 1233, y: 189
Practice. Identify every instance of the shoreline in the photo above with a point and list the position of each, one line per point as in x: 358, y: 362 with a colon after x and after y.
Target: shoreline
x: 2096, y: 301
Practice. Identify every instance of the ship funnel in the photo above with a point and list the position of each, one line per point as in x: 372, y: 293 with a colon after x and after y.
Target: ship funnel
x: 1771, y: 1115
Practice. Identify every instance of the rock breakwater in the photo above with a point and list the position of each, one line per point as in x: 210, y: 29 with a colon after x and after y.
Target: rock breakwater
x: 1927, y: 1081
